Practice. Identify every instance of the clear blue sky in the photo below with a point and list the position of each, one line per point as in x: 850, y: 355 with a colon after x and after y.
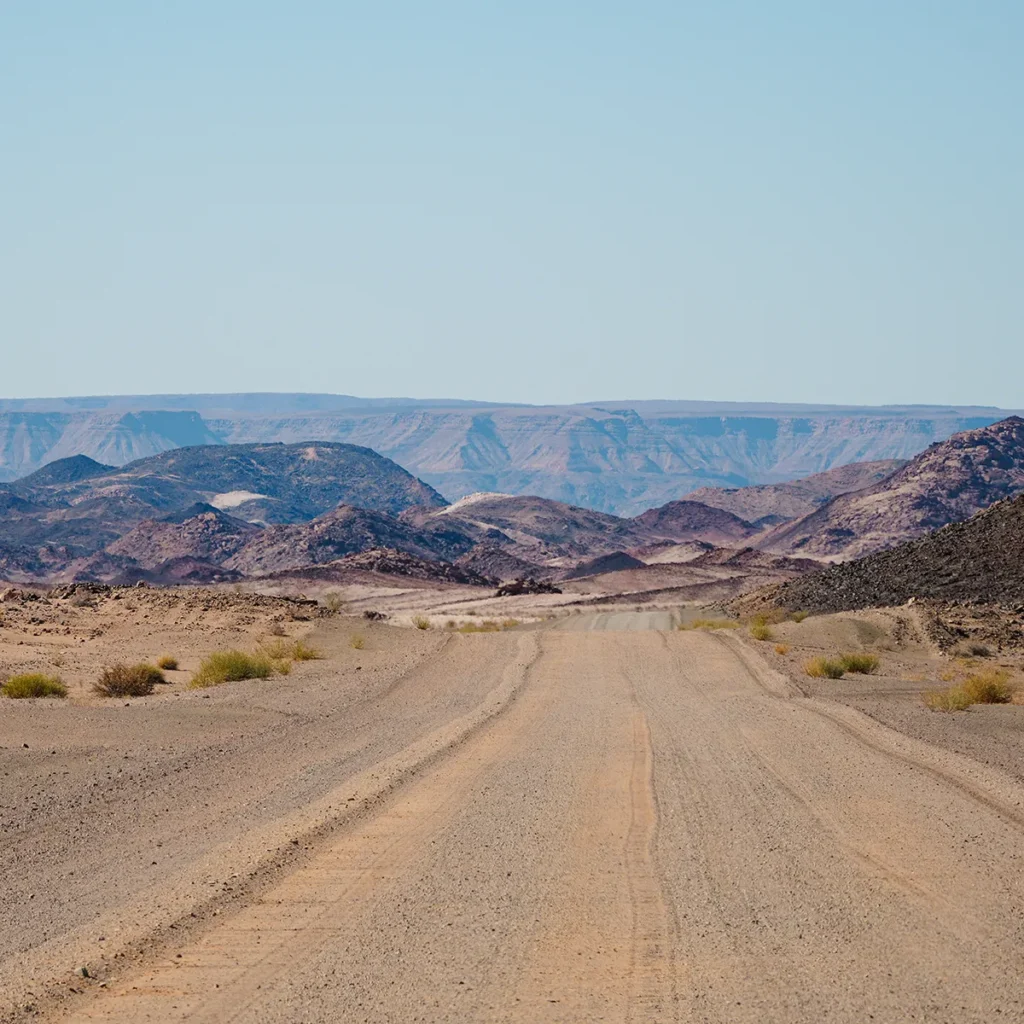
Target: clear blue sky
x: 532, y: 201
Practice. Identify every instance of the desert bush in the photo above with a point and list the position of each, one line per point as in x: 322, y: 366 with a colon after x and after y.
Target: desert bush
x: 990, y: 686
x: 333, y: 601
x: 798, y: 616
x: 230, y: 666
x: 301, y: 651
x: 167, y: 662
x: 420, y: 622
x: 761, y: 631
x: 863, y: 664
x: 276, y: 629
x: 509, y: 623
x: 979, y: 651
x: 487, y: 626
x: 358, y: 642
x: 709, y: 624
x: 824, y: 668
x: 953, y: 698
x: 782, y: 648
x: 283, y: 667
x: 33, y: 684
x: 128, y: 680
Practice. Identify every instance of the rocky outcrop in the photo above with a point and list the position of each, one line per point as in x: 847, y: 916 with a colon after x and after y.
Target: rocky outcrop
x: 980, y: 560
x: 948, y: 482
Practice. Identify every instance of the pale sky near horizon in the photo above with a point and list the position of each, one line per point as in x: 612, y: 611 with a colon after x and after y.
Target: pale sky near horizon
x: 541, y: 202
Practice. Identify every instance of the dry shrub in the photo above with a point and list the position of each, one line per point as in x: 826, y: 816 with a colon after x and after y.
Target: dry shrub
x: 358, y: 642
x: 990, y: 686
x: 782, y: 649
x: 953, y: 698
x: 761, y: 631
x: 798, y: 616
x: 709, y: 624
x: 276, y: 629
x: 33, y: 684
x: 824, y: 668
x: 864, y: 664
x: 420, y: 622
x: 128, y: 680
x: 230, y: 666
x: 301, y: 651
x: 487, y: 626
x: 509, y: 623
x: 333, y: 601
x: 168, y: 662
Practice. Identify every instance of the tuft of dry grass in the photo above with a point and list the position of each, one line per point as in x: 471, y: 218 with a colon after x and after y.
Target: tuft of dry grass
x: 824, y: 668
x: 864, y: 664
x: 230, y: 666
x: 357, y: 642
x: 782, y: 649
x: 128, y: 680
x: 509, y: 623
x: 761, y: 631
x: 798, y: 616
x: 487, y: 626
x: 709, y: 624
x: 301, y: 651
x: 33, y: 684
x: 333, y: 601
x: 989, y: 686
x: 167, y: 662
x: 420, y: 622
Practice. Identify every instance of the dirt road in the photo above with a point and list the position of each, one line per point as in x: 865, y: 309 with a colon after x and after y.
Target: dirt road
x: 579, y: 825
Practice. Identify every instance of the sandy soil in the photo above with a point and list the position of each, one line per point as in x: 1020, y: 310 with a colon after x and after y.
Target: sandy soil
x: 600, y: 822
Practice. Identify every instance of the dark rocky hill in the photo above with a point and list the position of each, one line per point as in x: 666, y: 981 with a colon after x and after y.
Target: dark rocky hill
x: 980, y: 560
x: 948, y: 482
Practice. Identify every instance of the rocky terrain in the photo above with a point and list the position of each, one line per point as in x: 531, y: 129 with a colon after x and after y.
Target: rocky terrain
x: 618, y: 457
x: 948, y: 482
x: 682, y: 521
x: 62, y: 518
x: 980, y: 560
x: 771, y: 504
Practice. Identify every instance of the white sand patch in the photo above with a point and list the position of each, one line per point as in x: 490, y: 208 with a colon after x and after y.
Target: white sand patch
x: 473, y: 499
x: 232, y: 499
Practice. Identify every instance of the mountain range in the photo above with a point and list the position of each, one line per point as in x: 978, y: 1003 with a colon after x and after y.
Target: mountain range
x: 618, y: 457
x: 219, y: 512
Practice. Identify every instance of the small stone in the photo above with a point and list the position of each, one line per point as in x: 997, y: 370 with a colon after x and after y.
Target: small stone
x: 83, y: 972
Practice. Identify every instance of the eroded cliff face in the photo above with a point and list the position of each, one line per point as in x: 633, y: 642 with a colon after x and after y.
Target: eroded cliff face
x: 617, y: 457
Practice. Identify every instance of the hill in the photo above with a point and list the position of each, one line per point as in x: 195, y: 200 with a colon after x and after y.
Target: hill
x: 72, y: 509
x: 770, y: 504
x: 981, y: 560
x: 948, y: 482
x: 692, y: 520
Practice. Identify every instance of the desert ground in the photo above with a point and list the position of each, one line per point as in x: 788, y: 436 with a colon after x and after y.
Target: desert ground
x: 588, y: 814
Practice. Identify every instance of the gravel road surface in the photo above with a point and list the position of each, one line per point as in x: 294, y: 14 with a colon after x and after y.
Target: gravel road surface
x: 596, y: 823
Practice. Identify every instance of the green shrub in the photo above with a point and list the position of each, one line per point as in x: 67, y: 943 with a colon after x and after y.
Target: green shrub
x: 864, y: 664
x: 167, y: 662
x: 230, y: 666
x: 761, y: 631
x: 128, y: 680
x: 824, y: 668
x: 33, y: 684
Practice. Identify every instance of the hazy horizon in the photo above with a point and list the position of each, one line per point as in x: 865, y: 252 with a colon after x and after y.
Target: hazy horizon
x: 535, y: 203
